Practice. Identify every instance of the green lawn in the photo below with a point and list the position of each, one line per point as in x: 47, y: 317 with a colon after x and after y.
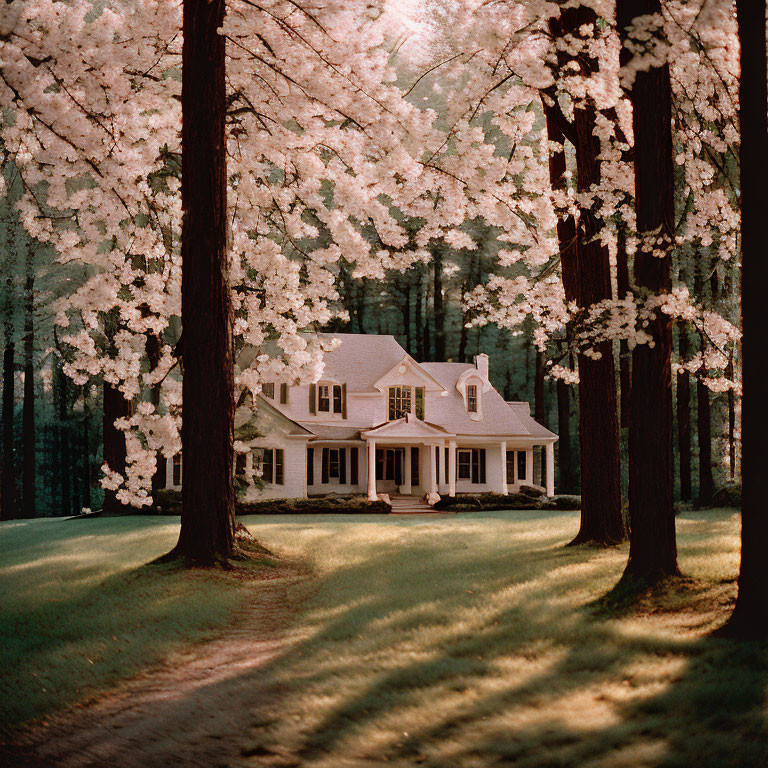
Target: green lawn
x: 80, y: 610
x: 465, y: 641
x: 453, y: 642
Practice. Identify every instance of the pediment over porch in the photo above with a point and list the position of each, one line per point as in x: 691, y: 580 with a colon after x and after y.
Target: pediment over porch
x: 407, y: 428
x: 408, y: 373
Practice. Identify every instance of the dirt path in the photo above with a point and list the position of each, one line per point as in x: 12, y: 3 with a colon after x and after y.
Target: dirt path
x: 196, y: 709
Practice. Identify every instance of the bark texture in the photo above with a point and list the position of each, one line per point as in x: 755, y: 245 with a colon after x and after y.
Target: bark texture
x: 684, y: 417
x: 704, y: 439
x: 8, y: 489
x: 750, y: 617
x: 653, y: 550
x: 29, y: 463
x: 208, y: 510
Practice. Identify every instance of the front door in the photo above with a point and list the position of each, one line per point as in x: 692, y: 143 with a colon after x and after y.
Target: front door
x: 389, y: 467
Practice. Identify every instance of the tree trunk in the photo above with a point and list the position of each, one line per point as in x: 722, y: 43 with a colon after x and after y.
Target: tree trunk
x: 418, y: 315
x: 114, y: 407
x: 586, y: 280
x: 750, y: 617
x: 208, y: 499
x: 564, y: 455
x: 438, y: 310
x: 704, y: 439
x: 653, y: 548
x: 86, y: 450
x: 684, y: 417
x: 539, y: 406
x: 65, y: 461
x: 8, y: 489
x: 625, y: 356
x: 729, y: 372
x: 29, y: 461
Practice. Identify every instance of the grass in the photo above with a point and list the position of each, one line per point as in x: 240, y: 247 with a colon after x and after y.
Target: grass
x: 470, y: 641
x: 455, y: 642
x: 81, y: 610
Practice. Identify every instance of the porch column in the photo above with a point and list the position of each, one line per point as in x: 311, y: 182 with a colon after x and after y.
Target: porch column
x: 528, y: 466
x: 504, y: 488
x: 432, y: 470
x: 406, y: 487
x: 372, y: 495
x: 451, y: 468
x: 550, y: 459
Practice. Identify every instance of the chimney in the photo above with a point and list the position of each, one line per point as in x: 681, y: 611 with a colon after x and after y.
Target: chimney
x: 481, y: 363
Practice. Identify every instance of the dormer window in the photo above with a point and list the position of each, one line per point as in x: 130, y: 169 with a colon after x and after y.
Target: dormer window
x: 268, y: 390
x: 472, y: 398
x: 329, y: 398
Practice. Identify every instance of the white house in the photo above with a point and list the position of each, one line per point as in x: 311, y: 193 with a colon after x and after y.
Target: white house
x: 379, y: 422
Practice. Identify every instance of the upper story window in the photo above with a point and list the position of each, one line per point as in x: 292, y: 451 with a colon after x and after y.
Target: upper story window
x: 268, y: 390
x: 472, y: 398
x: 399, y: 402
x: 330, y: 398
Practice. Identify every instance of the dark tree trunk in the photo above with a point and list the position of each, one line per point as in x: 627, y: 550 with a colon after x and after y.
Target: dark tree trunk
x: 438, y: 312
x: 362, y: 286
x: 29, y: 461
x: 653, y: 548
x: 8, y: 489
x: 86, y: 450
x: 684, y: 417
x: 208, y: 499
x: 564, y: 455
x: 418, y: 315
x: 625, y: 367
x: 729, y: 372
x: 750, y: 617
x: 586, y: 279
x: 153, y: 346
x: 65, y: 460
x: 114, y: 407
x: 704, y: 439
x: 539, y: 406
x: 406, y: 310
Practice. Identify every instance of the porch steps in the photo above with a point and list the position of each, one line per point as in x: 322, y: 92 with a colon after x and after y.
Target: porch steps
x: 412, y: 505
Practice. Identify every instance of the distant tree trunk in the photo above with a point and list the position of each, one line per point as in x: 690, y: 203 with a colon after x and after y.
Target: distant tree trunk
x: 362, y: 289
x: 418, y: 322
x: 750, y: 616
x: 65, y: 460
x: 684, y: 416
x: 153, y: 346
x: 463, y: 336
x: 653, y: 548
x: 29, y: 462
x: 539, y: 406
x: 86, y: 450
x: 564, y: 456
x: 437, y: 303
x: 625, y: 368
x: 704, y: 439
x: 208, y: 499
x: 114, y: 407
x: 586, y: 279
x: 406, y: 311
x: 8, y: 489
x: 729, y: 372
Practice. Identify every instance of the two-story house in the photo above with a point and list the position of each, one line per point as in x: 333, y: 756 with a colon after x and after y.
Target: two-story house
x: 379, y: 422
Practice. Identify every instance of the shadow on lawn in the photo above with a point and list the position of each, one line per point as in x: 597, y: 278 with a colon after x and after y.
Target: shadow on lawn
x: 599, y: 702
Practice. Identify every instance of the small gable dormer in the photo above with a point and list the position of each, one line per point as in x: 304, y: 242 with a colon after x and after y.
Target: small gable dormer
x: 472, y: 385
x: 405, y: 388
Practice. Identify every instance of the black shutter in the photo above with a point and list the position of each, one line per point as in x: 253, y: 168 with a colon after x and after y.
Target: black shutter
x: 398, y: 467
x: 447, y: 465
x: 324, y: 477
x: 267, y: 466
x: 337, y: 398
x: 354, y: 459
x: 283, y: 393
x: 521, y: 468
x: 343, y: 465
x: 279, y: 466
x: 313, y: 398
x: 437, y: 465
x: 510, y: 467
x: 482, y: 464
x: 475, y: 466
x: 415, y: 478
x: 344, y: 402
x: 310, y: 466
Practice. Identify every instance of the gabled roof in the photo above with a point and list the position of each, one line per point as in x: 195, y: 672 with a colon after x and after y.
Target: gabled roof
x: 523, y: 411
x: 497, y: 419
x: 405, y: 367
x: 408, y: 426
x: 265, y: 415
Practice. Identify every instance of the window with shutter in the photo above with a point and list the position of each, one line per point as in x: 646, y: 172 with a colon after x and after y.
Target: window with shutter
x: 267, y: 471
x: 310, y: 466
x: 268, y: 390
x: 464, y: 464
x: 324, y: 398
x: 472, y: 398
x: 279, y: 464
x: 337, y: 398
x: 521, y: 468
x: 415, y: 474
x: 510, y: 467
x: 399, y: 402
